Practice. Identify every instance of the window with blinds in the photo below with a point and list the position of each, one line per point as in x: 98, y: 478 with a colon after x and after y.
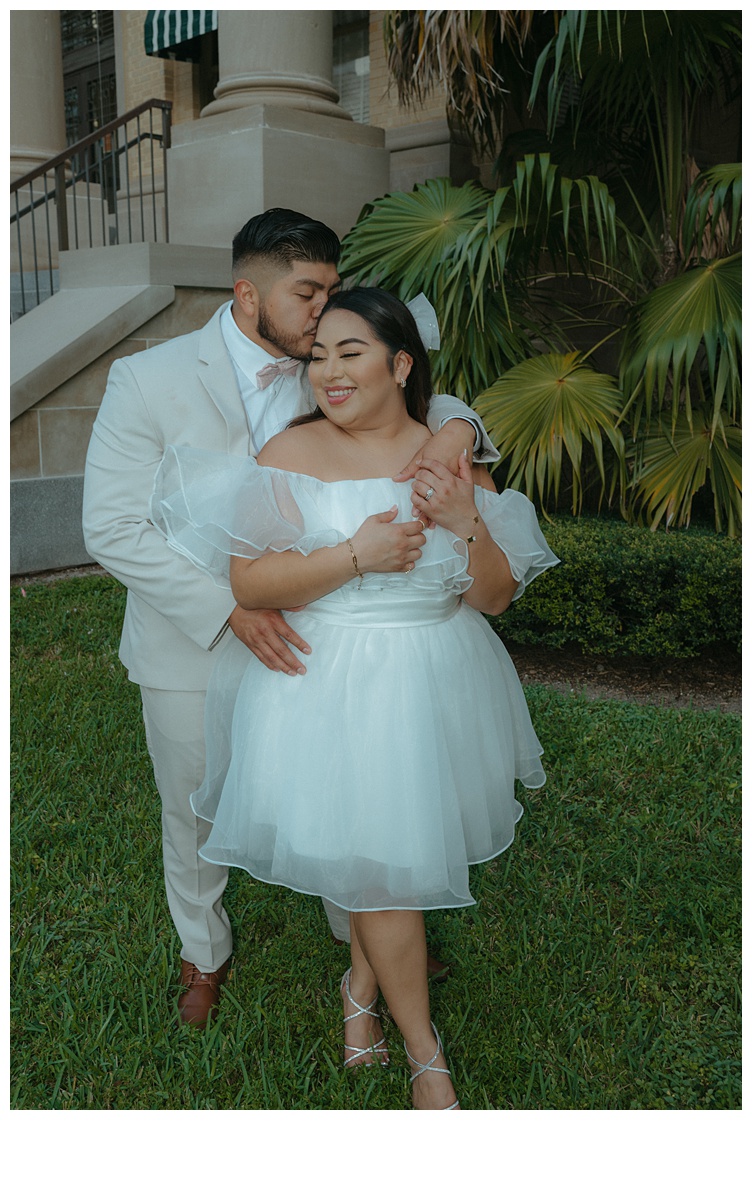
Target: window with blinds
x: 352, y: 63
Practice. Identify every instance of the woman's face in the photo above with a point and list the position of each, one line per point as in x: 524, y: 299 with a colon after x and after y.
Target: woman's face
x: 350, y: 374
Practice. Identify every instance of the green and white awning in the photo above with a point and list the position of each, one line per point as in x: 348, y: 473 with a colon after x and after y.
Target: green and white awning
x: 173, y: 32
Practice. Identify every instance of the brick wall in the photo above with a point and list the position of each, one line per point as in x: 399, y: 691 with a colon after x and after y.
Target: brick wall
x: 146, y: 76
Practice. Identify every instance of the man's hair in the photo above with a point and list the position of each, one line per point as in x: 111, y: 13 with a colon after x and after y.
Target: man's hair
x: 279, y: 236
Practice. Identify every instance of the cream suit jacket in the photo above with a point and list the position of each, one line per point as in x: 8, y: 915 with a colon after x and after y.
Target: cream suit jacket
x: 183, y: 392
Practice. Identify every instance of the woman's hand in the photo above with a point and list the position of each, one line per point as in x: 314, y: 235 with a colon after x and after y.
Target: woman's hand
x: 381, y: 544
x: 447, y: 499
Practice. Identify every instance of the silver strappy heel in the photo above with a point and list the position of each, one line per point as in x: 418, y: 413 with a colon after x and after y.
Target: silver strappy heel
x: 380, y: 1047
x: 423, y: 1067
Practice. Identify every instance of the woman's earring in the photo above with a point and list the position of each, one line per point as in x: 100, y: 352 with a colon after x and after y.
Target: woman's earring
x: 402, y: 382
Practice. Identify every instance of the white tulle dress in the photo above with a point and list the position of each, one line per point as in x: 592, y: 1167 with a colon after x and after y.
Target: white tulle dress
x: 378, y: 776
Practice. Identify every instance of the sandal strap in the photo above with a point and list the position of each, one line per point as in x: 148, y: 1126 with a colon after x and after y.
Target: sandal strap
x: 369, y: 1011
x: 423, y: 1067
x: 357, y: 1051
x: 380, y: 1047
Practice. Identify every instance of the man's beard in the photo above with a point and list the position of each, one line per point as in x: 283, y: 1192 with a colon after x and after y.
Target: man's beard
x: 289, y: 343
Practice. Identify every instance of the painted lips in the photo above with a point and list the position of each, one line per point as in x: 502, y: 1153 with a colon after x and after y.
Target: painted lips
x: 338, y: 395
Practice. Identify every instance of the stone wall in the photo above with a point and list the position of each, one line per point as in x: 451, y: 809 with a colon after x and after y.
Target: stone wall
x: 48, y: 443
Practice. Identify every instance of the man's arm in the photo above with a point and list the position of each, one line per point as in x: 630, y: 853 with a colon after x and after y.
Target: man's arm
x: 124, y: 453
x: 455, y: 427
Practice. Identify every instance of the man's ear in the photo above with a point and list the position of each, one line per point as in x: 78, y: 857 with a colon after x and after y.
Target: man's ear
x: 247, y: 300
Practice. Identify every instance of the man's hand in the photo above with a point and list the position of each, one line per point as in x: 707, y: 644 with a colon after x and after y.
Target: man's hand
x: 444, y: 447
x: 266, y: 633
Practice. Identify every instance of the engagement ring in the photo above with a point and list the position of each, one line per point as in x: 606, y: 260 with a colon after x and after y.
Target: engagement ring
x: 429, y: 494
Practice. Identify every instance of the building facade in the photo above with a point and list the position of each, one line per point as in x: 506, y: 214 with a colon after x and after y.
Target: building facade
x: 289, y: 108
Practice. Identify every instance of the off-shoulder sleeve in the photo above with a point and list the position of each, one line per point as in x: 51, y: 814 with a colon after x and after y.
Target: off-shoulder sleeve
x: 512, y: 522
x: 214, y: 506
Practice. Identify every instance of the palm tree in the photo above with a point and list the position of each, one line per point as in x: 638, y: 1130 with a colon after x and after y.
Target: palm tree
x: 639, y: 78
x: 619, y: 92
x: 471, y: 54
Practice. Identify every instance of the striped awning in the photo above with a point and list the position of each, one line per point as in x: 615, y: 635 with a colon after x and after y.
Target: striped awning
x: 173, y: 32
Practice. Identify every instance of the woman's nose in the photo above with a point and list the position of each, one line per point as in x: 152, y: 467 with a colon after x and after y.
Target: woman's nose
x: 332, y: 368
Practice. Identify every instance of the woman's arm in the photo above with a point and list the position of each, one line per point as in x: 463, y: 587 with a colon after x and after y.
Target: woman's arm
x: 290, y: 579
x: 452, y: 505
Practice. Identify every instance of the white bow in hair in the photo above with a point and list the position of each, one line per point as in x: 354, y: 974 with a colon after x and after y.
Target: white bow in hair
x: 424, y: 315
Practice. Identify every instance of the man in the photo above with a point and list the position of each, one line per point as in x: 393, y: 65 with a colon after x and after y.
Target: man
x: 227, y: 387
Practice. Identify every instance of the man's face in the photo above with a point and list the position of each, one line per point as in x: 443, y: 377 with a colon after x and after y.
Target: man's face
x: 290, y: 307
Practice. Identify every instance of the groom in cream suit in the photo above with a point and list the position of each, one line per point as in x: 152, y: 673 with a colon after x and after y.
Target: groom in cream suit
x: 227, y: 387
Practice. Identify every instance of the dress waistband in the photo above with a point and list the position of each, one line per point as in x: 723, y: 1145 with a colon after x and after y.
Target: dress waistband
x: 385, y: 611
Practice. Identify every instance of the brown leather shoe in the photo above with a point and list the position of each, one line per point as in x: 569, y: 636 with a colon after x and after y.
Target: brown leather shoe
x: 201, y: 993
x: 438, y: 972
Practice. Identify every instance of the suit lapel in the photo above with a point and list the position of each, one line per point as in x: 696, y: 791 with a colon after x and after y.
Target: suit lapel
x: 217, y: 374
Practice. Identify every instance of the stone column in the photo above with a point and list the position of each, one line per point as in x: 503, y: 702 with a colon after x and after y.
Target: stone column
x: 37, y: 115
x: 274, y: 136
x: 280, y: 58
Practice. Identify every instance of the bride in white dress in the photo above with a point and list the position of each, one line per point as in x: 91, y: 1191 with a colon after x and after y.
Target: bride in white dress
x: 374, y: 777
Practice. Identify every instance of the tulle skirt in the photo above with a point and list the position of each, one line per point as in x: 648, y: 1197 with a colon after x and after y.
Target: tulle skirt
x: 377, y: 777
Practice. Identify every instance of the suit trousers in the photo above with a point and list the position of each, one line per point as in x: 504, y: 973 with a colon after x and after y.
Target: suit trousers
x: 174, y: 724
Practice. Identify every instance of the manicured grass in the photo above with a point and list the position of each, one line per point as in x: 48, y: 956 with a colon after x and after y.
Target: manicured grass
x: 599, y: 970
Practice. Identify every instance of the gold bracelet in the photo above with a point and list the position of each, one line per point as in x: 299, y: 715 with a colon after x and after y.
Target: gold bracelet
x: 355, y: 564
x: 473, y: 538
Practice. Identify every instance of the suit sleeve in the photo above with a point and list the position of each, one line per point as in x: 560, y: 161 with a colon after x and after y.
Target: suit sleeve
x: 448, y: 408
x: 124, y: 454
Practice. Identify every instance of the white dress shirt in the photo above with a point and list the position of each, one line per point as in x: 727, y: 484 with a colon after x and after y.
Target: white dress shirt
x: 268, y: 409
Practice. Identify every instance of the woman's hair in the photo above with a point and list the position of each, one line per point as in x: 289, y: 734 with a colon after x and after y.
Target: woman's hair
x: 392, y: 324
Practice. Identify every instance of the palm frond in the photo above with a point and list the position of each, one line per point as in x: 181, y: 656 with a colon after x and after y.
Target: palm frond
x: 713, y: 212
x: 544, y: 410
x: 402, y: 240
x: 643, y: 73
x: 466, y: 52
x: 676, y: 464
x: 664, y: 334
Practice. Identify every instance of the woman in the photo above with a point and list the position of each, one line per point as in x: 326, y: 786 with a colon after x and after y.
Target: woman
x: 379, y: 773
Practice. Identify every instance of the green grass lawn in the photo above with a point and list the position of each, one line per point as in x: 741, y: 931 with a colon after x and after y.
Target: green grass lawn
x: 600, y: 968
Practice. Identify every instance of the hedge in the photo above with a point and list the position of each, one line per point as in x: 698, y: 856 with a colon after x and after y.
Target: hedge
x: 624, y: 590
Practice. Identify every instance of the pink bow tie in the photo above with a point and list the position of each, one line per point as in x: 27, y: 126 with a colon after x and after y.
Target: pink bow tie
x: 280, y: 366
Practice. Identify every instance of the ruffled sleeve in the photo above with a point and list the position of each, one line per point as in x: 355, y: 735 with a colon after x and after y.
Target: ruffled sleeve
x: 214, y: 506
x: 512, y: 522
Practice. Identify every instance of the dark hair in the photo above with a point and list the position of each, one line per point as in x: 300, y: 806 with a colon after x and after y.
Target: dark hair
x: 280, y: 236
x: 391, y: 323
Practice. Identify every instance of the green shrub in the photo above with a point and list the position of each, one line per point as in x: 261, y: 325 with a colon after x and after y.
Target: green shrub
x: 625, y: 590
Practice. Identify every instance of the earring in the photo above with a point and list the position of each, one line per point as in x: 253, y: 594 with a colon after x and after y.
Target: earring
x: 402, y: 382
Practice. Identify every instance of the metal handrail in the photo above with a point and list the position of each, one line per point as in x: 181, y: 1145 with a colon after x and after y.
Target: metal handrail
x: 107, y: 159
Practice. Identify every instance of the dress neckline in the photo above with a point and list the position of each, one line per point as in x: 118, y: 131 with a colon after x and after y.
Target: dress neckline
x: 329, y: 482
